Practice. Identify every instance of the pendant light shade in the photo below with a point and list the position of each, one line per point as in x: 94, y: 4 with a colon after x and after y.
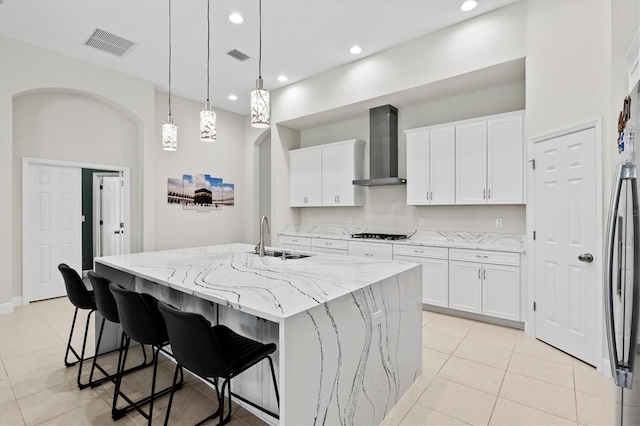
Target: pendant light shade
x: 260, y: 107
x: 208, y: 132
x: 260, y: 104
x: 169, y: 135
x: 169, y: 129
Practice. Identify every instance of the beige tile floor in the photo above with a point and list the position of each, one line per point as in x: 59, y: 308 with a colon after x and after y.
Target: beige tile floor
x: 473, y: 373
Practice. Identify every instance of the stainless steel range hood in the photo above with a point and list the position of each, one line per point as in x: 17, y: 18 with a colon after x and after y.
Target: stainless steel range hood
x: 383, y: 148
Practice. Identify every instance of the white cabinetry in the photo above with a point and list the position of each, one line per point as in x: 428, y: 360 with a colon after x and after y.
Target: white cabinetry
x: 342, y: 163
x: 294, y: 243
x: 489, y: 160
x: 371, y: 250
x: 305, y: 178
x: 321, y: 245
x: 485, y: 282
x: 323, y: 175
x: 435, y: 271
x: 471, y: 163
x: 504, y: 160
x: 431, y: 166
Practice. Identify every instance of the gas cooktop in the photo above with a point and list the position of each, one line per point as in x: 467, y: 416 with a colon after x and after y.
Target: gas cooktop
x: 382, y: 235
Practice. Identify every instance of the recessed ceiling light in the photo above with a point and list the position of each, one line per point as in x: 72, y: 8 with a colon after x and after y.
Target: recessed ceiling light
x: 355, y: 50
x: 468, y: 5
x: 233, y: 97
x: 236, y: 18
x: 282, y: 78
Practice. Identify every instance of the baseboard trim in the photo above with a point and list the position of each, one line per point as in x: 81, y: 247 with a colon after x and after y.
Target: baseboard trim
x: 6, y: 308
x: 470, y: 315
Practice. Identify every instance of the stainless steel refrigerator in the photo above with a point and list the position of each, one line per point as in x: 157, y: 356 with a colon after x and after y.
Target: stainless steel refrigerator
x: 622, y: 287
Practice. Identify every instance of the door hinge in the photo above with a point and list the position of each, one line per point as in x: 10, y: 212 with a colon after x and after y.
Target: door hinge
x: 533, y: 163
x: 121, y: 224
x: 534, y: 306
x: 121, y: 182
x: 101, y: 187
x: 101, y: 223
x: 534, y: 235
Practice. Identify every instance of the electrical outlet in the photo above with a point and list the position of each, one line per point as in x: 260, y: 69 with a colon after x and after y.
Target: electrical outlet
x: 499, y: 222
x: 421, y: 221
x: 349, y: 219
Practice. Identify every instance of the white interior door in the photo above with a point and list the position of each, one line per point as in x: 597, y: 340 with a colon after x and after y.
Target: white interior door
x: 565, y: 226
x: 111, y: 216
x: 53, y: 227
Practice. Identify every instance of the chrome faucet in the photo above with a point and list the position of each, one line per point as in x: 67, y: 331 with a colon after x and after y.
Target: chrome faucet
x: 264, y: 223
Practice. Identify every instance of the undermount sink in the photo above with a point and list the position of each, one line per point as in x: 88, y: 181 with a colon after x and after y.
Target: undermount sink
x: 287, y: 255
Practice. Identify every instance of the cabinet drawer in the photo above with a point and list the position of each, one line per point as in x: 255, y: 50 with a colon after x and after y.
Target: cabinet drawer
x: 301, y: 242
x: 420, y: 251
x: 329, y: 250
x: 485, y: 256
x: 330, y: 244
x: 371, y: 250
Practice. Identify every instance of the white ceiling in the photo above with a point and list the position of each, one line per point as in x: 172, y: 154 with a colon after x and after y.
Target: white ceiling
x: 300, y: 38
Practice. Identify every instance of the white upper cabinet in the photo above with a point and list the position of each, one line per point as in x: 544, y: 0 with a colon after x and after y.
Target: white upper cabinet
x: 431, y: 166
x: 342, y: 163
x: 504, y: 160
x: 471, y: 163
x: 323, y: 175
x: 305, y: 178
x: 489, y: 160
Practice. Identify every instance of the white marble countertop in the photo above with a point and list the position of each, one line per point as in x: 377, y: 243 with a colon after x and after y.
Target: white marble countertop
x: 514, y: 243
x: 266, y: 287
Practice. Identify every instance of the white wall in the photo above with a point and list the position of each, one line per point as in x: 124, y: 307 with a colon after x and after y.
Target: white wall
x: 488, y: 40
x: 175, y: 227
x: 73, y: 127
x: 387, y: 206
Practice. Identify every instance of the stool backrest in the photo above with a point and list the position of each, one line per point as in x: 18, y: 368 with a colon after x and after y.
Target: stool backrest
x: 76, y: 290
x: 139, y: 316
x: 105, y: 302
x: 193, y: 344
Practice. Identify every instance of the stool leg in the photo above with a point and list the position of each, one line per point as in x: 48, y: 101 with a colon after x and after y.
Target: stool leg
x: 84, y: 346
x: 124, y: 347
x: 173, y: 389
x: 153, y: 384
x: 275, y: 384
x: 66, y: 355
x: 93, y: 364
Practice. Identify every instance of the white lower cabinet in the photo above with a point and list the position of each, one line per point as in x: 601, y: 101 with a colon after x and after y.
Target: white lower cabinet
x: 465, y: 286
x: 371, y: 250
x: 501, y: 291
x: 435, y: 279
x: 485, y: 289
x: 294, y: 243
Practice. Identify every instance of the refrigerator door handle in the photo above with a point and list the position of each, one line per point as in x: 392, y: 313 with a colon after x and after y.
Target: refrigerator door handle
x: 622, y: 374
x: 635, y: 309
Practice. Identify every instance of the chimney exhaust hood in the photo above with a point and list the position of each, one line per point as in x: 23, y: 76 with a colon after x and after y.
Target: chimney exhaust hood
x: 383, y: 148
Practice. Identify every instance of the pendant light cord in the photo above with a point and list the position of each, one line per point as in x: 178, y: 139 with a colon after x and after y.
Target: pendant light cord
x: 208, y: 46
x: 260, y: 47
x: 169, y: 57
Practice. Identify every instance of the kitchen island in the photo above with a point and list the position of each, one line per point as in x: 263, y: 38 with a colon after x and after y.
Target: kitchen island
x: 348, y: 330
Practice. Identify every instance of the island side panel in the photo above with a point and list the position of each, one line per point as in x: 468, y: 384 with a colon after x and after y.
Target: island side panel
x: 350, y: 361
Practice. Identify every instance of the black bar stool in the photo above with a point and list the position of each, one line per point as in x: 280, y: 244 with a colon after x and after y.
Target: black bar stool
x: 142, y: 322
x: 106, y: 306
x: 213, y: 352
x: 82, y: 298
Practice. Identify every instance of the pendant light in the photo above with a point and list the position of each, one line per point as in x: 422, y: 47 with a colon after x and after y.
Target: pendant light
x: 208, y: 131
x: 169, y: 130
x: 260, y: 108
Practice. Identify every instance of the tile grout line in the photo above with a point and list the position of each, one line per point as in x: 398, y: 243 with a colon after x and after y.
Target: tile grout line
x: 501, y: 384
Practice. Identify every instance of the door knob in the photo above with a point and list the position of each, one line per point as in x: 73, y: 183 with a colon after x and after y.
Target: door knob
x: 587, y: 257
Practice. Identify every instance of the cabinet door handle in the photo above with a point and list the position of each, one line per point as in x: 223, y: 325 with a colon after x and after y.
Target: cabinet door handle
x: 489, y: 193
x: 478, y: 273
x: 368, y: 254
x: 419, y: 251
x: 329, y: 244
x: 482, y: 257
x: 484, y: 276
x: 484, y: 194
x: 338, y: 198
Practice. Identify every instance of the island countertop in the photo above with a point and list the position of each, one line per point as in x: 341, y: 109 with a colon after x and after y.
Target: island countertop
x: 267, y: 287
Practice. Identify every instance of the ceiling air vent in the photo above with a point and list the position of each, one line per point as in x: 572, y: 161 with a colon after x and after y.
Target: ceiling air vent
x: 110, y: 43
x: 236, y: 54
